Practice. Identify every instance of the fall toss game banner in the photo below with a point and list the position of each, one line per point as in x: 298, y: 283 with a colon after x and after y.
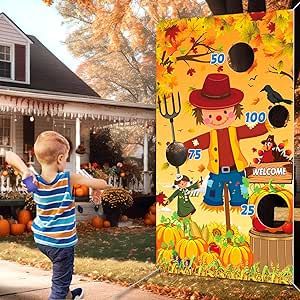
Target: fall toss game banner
x: 225, y: 146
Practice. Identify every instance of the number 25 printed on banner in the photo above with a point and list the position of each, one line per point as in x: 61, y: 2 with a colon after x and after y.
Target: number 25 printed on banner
x: 247, y: 210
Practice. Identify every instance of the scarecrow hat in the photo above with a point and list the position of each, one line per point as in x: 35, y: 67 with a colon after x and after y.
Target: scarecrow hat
x: 178, y: 177
x: 216, y: 93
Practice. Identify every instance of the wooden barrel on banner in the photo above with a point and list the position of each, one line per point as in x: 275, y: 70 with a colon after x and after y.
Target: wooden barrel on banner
x: 271, y: 249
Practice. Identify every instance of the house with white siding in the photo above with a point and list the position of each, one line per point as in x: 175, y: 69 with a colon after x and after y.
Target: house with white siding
x: 38, y: 92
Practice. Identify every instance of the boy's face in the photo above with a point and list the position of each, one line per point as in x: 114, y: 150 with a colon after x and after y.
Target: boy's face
x: 182, y: 184
x: 218, y: 118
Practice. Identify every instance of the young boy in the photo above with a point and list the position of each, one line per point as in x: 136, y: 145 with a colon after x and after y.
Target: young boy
x: 54, y: 227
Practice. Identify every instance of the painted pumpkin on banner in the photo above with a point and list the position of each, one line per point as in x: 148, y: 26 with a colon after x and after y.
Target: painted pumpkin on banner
x: 168, y: 234
x: 238, y: 256
x: 189, y: 248
x: 208, y: 257
x: 164, y: 254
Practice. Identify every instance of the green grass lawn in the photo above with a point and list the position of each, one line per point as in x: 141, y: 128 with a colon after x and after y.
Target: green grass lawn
x: 126, y: 255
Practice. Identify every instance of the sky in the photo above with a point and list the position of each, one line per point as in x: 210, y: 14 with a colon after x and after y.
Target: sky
x: 36, y: 18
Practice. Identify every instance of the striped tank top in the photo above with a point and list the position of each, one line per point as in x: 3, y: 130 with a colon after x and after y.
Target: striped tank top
x: 55, y: 223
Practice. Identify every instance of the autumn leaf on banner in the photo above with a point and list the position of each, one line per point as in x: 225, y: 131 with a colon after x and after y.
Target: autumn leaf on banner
x: 272, y: 27
x: 282, y: 20
x: 160, y: 198
x: 255, y: 101
x: 170, y: 69
x: 201, y: 168
x: 230, y: 20
x: 191, y: 72
x: 254, y: 150
x: 165, y: 166
x: 257, y: 16
x: 257, y: 41
x: 172, y: 32
x: 220, y: 69
x: 210, y: 40
x: 249, y: 30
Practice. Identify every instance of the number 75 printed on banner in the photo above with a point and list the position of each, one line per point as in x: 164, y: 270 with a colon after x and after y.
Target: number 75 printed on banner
x: 194, y: 154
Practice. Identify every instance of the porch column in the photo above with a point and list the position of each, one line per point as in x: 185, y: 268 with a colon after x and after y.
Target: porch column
x: 147, y: 183
x: 77, y: 143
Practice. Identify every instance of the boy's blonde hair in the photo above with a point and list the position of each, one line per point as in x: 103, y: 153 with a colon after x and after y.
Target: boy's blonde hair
x: 49, y: 145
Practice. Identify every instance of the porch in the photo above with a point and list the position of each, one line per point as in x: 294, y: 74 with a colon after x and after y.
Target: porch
x: 24, y: 115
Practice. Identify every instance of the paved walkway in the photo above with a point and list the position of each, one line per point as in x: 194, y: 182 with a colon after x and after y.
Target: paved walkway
x: 28, y: 283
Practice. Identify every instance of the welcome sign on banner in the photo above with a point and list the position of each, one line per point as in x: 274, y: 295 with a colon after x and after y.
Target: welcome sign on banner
x: 225, y: 146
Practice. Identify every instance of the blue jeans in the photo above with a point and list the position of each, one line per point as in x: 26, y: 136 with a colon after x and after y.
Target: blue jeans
x: 63, y: 264
x: 215, y: 187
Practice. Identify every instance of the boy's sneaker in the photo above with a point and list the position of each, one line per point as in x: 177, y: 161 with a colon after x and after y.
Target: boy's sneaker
x: 77, y: 294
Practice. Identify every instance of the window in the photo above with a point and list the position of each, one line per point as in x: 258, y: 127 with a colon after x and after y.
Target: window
x: 5, y: 136
x: 5, y: 131
x: 5, y: 61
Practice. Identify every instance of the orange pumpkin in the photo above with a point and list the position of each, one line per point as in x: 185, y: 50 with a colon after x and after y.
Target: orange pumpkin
x: 164, y: 255
x: 28, y: 226
x: 4, y: 227
x: 147, y: 221
x: 24, y: 216
x: 85, y: 190
x: 76, y: 186
x: 237, y: 256
x: 106, y: 224
x: 97, y: 222
x: 79, y: 192
x: 208, y: 257
x: 17, y: 229
x: 167, y: 233
x: 189, y: 248
x: 152, y: 209
x: 4, y: 173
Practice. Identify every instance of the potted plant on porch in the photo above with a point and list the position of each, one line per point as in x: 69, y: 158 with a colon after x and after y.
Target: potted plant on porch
x: 114, y: 202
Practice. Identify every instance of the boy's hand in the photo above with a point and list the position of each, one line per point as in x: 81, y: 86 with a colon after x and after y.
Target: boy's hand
x: 15, y: 161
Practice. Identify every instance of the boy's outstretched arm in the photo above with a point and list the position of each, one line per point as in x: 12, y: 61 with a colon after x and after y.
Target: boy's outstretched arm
x: 15, y: 161
x: 96, y: 184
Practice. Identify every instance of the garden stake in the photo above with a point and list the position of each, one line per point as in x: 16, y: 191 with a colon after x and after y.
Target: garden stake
x: 127, y: 290
x: 170, y: 116
x: 227, y: 211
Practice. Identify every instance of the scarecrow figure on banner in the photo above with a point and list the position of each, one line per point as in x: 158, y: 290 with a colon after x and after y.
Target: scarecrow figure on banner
x: 217, y: 105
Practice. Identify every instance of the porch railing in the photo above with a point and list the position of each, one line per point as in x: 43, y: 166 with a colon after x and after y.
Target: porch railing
x: 7, y: 184
x: 134, y: 183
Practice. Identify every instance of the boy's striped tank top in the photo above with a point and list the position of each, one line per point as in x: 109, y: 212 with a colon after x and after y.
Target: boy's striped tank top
x: 55, y: 223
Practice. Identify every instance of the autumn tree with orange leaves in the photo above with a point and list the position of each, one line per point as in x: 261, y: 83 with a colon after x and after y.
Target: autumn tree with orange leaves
x: 116, y: 42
